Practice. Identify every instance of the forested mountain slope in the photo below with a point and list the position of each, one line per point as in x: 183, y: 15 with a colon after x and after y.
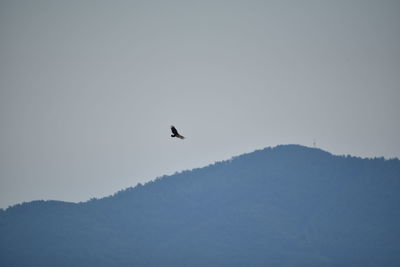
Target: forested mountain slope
x: 283, y: 206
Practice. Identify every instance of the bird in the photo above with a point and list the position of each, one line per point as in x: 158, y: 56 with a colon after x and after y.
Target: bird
x: 175, y: 133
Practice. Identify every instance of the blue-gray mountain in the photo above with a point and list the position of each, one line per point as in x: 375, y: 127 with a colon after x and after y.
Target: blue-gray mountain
x: 283, y: 206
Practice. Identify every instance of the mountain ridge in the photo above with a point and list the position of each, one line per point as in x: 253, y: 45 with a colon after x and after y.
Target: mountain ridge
x: 276, y: 148
x: 284, y: 206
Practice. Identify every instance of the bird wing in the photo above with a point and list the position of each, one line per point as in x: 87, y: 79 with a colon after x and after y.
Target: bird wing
x: 174, y: 131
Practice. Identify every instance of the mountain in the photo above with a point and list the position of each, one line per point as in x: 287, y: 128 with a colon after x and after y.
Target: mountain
x: 284, y: 206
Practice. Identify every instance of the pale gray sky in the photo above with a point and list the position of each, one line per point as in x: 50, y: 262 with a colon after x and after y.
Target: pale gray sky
x: 88, y: 89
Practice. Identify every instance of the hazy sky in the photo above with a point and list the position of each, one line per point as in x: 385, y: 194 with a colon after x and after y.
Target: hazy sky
x: 88, y: 89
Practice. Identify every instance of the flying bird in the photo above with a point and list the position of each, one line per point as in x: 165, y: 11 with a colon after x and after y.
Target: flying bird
x: 175, y: 133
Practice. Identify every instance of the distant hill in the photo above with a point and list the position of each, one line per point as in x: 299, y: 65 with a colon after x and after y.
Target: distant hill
x: 284, y: 206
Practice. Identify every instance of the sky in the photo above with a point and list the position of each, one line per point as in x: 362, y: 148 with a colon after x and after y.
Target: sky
x: 89, y: 89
